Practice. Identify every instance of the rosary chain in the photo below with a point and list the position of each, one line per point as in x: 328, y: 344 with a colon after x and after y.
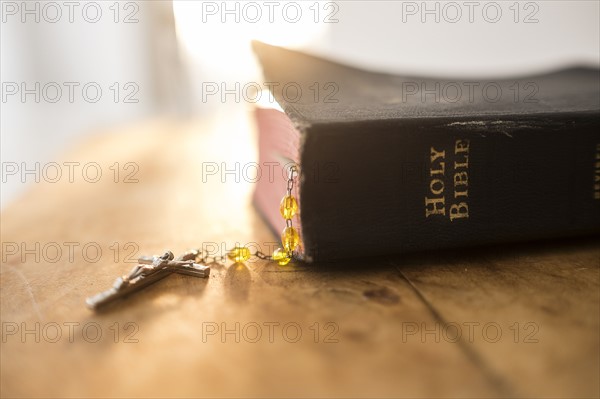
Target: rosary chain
x: 290, y: 187
x: 205, y: 258
x: 261, y: 255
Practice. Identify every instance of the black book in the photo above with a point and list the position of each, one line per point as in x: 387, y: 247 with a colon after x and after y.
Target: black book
x: 392, y: 164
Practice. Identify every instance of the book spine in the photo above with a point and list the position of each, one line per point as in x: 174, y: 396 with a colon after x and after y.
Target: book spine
x: 404, y: 185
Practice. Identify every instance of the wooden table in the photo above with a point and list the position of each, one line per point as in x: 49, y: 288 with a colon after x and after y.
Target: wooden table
x: 527, y: 315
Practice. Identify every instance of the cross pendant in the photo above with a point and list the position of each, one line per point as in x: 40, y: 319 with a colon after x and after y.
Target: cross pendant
x: 149, y: 270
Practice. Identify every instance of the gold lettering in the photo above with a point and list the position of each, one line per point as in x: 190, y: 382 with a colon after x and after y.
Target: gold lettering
x: 436, y: 154
x: 440, y: 184
x: 459, y: 211
x: 461, y: 193
x: 437, y: 206
x: 442, y: 165
x: 464, y: 164
x: 440, y: 171
x: 460, y: 178
x: 461, y: 146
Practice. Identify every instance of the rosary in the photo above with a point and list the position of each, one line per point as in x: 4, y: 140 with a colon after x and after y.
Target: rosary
x: 151, y: 269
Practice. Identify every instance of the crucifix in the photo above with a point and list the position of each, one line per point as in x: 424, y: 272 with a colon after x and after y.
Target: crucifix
x: 149, y: 270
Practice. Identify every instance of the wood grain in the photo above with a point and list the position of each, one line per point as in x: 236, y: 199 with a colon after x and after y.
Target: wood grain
x: 392, y: 322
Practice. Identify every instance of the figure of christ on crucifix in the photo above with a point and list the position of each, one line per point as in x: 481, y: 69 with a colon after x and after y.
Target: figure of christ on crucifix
x: 149, y: 269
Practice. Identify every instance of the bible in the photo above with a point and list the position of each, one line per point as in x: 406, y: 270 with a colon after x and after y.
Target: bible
x: 393, y: 164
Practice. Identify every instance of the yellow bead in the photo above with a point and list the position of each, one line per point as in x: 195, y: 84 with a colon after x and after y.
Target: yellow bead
x: 239, y: 254
x: 290, y: 239
x: 288, y: 207
x: 281, y: 256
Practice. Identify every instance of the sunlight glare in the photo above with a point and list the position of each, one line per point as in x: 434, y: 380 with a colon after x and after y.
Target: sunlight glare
x: 219, y: 38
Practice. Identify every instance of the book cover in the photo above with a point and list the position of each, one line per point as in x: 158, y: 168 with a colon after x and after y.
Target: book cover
x: 392, y: 164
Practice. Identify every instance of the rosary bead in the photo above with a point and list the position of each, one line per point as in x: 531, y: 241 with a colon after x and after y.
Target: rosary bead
x: 288, y: 207
x: 290, y: 238
x: 281, y: 256
x: 239, y: 254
